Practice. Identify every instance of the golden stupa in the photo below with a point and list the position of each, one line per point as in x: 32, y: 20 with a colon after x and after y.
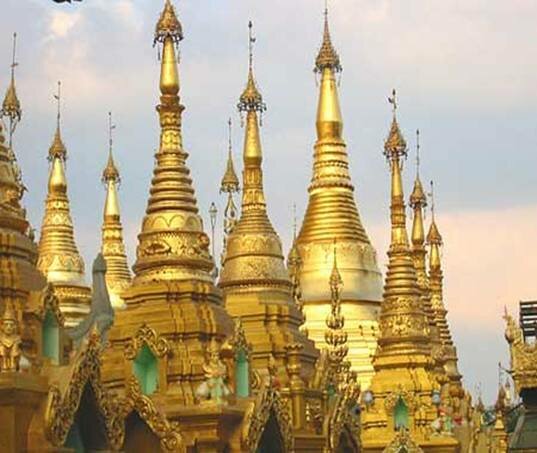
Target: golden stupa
x: 254, y: 279
x: 118, y: 277
x: 332, y: 215
x: 59, y: 259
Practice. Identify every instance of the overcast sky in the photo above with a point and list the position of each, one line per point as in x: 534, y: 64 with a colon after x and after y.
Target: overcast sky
x: 465, y: 71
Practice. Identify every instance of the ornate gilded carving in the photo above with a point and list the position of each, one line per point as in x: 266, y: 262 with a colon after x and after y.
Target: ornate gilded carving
x: 63, y: 405
x: 148, y: 336
x: 168, y: 432
x: 344, y: 414
x: 268, y: 402
x: 214, y: 389
x: 51, y: 303
x: 402, y: 442
x: 523, y: 356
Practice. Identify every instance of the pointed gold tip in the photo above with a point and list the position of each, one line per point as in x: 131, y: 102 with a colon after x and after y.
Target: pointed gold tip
x: 230, y: 181
x: 433, y: 236
x: 57, y: 149
x: 168, y: 25
x: 11, y: 107
x: 110, y: 172
x: 418, y: 198
x: 327, y: 58
x: 395, y: 145
x: 251, y: 99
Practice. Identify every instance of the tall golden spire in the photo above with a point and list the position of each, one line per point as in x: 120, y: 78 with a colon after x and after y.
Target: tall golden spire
x: 118, y: 276
x: 401, y: 290
x: 59, y: 258
x: 172, y: 244
x: 332, y: 214
x: 436, y: 276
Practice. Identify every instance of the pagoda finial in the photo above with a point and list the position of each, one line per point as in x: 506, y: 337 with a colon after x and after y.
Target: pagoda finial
x: 418, y: 201
x: 395, y: 146
x: 11, y: 107
x: 434, y: 237
x: 327, y: 58
x: 110, y: 172
x: 57, y: 149
x: 168, y: 26
x: 230, y: 181
x: 251, y: 99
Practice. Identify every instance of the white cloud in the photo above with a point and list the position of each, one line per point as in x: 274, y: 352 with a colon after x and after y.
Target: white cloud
x: 61, y: 23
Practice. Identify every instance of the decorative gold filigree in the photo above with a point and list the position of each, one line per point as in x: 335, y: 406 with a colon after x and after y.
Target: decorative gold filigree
x: 146, y: 335
x: 406, y: 396
x: 168, y: 432
x: 268, y: 402
x: 402, y: 442
x: 344, y: 415
x: 10, y: 340
x: 523, y: 356
x: 51, y: 303
x: 62, y: 406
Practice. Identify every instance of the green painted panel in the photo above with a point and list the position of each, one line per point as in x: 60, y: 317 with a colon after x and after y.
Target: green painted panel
x: 242, y: 375
x: 145, y: 368
x: 51, y: 338
x: 400, y: 415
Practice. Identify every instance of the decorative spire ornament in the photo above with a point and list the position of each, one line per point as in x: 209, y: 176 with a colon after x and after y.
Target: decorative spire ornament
x: 335, y: 336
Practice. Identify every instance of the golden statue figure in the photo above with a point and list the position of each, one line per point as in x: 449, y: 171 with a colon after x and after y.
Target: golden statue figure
x: 10, y: 341
x: 214, y: 389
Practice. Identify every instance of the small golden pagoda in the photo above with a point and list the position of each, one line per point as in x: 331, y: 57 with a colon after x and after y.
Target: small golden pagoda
x: 254, y: 279
x: 332, y: 214
x: 59, y: 258
x: 118, y: 276
x: 404, y: 395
